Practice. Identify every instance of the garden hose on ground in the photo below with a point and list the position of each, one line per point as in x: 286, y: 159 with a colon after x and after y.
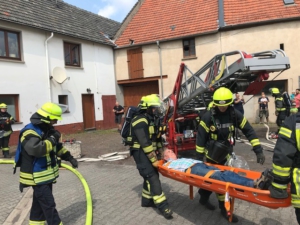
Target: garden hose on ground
x: 89, y: 203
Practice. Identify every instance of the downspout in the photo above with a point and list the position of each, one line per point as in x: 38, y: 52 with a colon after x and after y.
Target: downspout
x: 160, y: 67
x: 47, y: 66
x: 221, y: 14
x: 221, y: 20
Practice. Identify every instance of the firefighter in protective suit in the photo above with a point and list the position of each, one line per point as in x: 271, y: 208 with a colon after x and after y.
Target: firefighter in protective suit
x: 286, y: 162
x: 215, y: 139
x: 6, y: 120
x: 280, y: 109
x: 146, y: 140
x: 36, y: 155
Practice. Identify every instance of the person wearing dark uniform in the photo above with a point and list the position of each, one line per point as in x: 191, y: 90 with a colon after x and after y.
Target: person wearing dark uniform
x: 286, y: 162
x: 280, y: 109
x: 215, y: 139
x: 36, y: 155
x: 146, y: 140
x: 6, y: 120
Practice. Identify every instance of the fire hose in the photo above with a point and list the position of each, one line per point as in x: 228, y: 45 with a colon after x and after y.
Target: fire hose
x: 89, y: 204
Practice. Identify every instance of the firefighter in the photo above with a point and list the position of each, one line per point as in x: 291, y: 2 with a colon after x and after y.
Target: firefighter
x: 146, y: 140
x: 36, y: 155
x: 6, y: 120
x: 215, y: 139
x: 286, y: 162
x: 280, y: 109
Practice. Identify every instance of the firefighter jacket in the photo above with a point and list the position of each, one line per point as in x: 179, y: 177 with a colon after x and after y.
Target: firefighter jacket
x: 36, y: 156
x: 218, y: 126
x: 146, y: 135
x: 6, y: 120
x: 287, y: 152
x: 279, y: 104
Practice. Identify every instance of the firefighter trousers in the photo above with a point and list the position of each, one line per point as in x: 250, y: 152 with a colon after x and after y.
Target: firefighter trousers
x: 43, y: 206
x: 152, y: 191
x: 4, y: 144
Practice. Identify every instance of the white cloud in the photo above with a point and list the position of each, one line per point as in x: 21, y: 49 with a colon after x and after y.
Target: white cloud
x: 107, y: 11
x: 116, y: 9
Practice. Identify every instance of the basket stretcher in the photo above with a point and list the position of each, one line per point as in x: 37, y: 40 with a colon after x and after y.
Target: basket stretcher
x: 254, y: 195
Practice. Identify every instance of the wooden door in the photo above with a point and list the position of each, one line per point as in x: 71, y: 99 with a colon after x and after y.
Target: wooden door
x: 88, y: 109
x: 108, y: 103
x: 134, y: 92
x: 135, y: 63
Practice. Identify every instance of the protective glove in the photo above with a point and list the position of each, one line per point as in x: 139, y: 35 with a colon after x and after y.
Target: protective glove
x: 278, y: 193
x: 259, y: 154
x: 260, y: 158
x: 199, y: 156
x: 55, y: 134
x: 73, y: 162
x: 155, y: 164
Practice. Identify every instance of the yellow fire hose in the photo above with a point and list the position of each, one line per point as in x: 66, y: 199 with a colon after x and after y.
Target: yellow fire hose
x: 89, y: 204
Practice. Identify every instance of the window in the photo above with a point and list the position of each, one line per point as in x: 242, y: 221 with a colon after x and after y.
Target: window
x: 189, y: 47
x: 63, y: 99
x: 280, y: 84
x: 287, y: 2
x: 9, y: 45
x: 72, y: 54
x: 12, y: 102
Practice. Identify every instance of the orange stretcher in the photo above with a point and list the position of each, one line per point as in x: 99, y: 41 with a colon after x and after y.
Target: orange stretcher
x: 254, y: 195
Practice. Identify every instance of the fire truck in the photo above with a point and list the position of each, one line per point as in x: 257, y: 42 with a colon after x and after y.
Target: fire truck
x: 237, y: 70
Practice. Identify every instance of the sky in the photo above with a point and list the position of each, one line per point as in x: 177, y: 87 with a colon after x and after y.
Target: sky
x: 113, y: 9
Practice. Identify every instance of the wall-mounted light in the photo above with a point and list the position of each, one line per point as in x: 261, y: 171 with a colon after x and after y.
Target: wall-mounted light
x: 88, y: 90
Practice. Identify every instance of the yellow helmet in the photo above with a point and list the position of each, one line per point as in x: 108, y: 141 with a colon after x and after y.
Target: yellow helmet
x: 51, y: 111
x: 274, y: 90
x: 150, y: 101
x: 3, y: 106
x: 222, y: 97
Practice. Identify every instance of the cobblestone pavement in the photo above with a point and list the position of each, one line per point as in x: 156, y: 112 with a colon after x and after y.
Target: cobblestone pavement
x: 116, y: 191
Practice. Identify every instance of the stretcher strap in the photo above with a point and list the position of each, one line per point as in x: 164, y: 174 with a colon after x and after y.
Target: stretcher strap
x: 188, y: 171
x: 211, y: 172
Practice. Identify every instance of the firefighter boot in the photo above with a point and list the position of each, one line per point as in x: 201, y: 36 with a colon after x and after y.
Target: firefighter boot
x: 204, y: 199
x: 6, y: 154
x: 166, y: 212
x: 225, y: 215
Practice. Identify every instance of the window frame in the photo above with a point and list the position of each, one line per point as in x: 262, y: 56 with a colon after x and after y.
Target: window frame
x: 6, y: 46
x: 71, y: 59
x: 189, y: 45
x: 64, y: 102
x: 16, y: 104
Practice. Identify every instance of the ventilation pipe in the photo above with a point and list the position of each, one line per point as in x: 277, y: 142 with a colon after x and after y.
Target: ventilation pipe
x: 49, y: 77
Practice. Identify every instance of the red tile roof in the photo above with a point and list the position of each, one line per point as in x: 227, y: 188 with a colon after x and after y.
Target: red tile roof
x: 248, y: 11
x: 154, y: 19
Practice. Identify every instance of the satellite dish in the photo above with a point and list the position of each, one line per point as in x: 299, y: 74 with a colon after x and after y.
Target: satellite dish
x: 59, y: 75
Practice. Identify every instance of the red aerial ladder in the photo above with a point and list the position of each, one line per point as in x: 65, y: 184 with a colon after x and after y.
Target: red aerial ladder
x: 192, y: 93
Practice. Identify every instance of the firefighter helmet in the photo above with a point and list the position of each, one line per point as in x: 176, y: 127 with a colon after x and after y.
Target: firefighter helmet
x: 3, y: 106
x: 274, y: 91
x: 150, y: 101
x: 50, y: 111
x: 222, y: 97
